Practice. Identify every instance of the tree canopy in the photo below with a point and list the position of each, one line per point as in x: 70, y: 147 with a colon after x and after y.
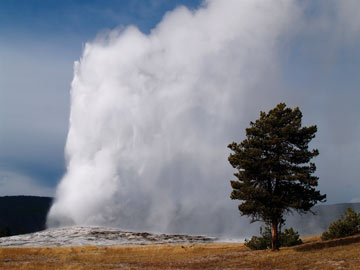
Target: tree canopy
x: 274, y: 172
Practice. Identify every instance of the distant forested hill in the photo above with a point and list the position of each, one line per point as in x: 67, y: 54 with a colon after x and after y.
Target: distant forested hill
x: 23, y: 214
x: 310, y: 224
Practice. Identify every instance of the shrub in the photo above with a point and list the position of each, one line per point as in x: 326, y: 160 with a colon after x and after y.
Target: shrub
x: 290, y: 238
x: 260, y: 242
x: 287, y: 238
x: 348, y: 224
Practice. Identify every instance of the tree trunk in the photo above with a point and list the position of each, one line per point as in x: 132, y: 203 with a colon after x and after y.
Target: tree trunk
x: 275, y: 236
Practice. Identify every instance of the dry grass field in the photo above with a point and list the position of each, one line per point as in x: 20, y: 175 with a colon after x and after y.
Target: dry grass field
x: 198, y: 256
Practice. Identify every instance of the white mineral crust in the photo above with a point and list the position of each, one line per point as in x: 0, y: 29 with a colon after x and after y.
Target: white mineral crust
x: 98, y: 236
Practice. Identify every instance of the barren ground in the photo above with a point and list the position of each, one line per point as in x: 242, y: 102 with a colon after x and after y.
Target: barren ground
x: 180, y: 256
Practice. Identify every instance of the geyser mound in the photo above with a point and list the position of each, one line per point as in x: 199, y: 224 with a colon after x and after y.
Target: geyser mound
x: 98, y: 236
x: 151, y: 116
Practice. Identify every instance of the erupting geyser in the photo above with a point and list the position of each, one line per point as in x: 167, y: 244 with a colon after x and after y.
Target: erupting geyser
x: 151, y: 116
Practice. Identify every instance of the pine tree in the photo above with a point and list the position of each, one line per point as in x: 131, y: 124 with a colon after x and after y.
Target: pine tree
x: 274, y: 172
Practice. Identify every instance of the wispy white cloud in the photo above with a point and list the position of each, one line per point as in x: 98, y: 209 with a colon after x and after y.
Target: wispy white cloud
x: 14, y: 183
x: 355, y: 200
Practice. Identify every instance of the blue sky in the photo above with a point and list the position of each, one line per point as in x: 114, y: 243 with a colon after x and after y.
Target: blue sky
x: 40, y: 40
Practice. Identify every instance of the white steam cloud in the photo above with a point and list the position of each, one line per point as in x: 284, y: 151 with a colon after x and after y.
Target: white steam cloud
x: 152, y: 115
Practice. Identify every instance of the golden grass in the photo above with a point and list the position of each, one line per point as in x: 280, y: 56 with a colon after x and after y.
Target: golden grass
x: 198, y: 256
x: 330, y: 243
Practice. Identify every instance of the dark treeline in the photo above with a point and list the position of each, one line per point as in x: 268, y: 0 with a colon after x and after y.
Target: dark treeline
x: 27, y: 214
x: 23, y: 214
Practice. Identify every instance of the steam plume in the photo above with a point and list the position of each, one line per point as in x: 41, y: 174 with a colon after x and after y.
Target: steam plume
x: 151, y: 116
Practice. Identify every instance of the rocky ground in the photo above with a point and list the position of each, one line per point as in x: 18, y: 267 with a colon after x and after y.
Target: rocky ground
x: 98, y: 236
